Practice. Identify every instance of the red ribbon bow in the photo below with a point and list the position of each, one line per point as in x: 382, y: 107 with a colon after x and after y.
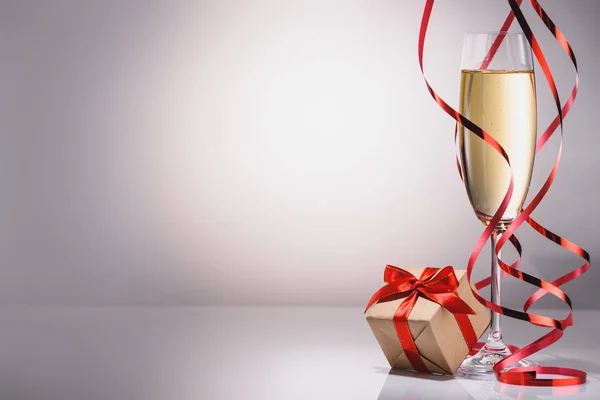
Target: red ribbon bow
x: 437, y: 285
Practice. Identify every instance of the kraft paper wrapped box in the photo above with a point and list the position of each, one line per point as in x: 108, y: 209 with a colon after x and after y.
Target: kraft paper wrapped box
x: 437, y: 333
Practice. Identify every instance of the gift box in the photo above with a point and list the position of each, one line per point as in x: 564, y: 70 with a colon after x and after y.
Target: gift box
x: 426, y: 319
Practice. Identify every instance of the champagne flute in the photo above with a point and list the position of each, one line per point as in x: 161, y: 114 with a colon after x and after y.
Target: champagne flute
x: 497, y: 93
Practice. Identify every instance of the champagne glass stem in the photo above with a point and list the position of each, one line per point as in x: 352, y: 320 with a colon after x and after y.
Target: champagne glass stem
x: 494, y: 340
x: 494, y: 349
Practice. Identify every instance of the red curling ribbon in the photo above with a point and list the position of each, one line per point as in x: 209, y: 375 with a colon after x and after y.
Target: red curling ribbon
x: 524, y: 376
x: 435, y: 284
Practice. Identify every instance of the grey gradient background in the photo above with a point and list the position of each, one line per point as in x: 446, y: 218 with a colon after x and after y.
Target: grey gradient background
x: 258, y: 152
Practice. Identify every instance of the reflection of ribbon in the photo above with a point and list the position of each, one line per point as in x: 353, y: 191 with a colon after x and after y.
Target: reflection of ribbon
x: 435, y: 284
x: 524, y: 376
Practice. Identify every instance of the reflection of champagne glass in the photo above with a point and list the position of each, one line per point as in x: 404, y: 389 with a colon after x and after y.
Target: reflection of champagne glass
x: 499, y: 96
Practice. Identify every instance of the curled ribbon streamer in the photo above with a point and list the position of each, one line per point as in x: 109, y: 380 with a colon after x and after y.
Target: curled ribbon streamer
x: 524, y: 376
x: 437, y: 285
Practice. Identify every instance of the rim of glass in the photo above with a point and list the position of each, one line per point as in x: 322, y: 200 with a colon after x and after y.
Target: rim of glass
x: 504, y: 33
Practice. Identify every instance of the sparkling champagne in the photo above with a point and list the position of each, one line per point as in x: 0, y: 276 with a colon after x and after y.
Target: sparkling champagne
x: 503, y: 103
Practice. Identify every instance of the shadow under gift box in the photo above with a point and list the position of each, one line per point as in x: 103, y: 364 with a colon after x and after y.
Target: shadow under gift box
x: 434, y: 329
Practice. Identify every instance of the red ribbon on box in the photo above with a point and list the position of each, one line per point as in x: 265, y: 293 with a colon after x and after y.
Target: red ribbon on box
x: 435, y: 284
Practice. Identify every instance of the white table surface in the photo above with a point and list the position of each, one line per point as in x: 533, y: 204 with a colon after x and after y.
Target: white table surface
x: 242, y: 353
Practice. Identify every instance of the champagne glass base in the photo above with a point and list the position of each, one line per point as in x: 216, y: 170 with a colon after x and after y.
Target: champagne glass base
x: 481, y: 365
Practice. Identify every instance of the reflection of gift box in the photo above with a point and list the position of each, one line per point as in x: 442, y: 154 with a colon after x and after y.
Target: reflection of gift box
x: 426, y: 319
x: 398, y: 387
